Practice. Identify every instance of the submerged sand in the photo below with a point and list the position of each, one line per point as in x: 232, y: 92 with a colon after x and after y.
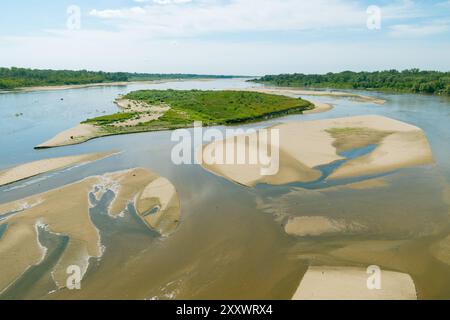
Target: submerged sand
x: 31, y: 169
x: 350, y: 283
x: 20, y: 247
x: 318, y: 225
x: 304, y: 146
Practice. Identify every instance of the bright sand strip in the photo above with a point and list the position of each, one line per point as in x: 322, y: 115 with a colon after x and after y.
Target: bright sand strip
x: 338, y: 94
x: 144, y: 112
x: 80, y: 133
x: 304, y: 146
x: 319, y: 107
x: 349, y: 283
x: 65, y: 211
x: 102, y: 84
x: 316, y: 226
x: 31, y: 169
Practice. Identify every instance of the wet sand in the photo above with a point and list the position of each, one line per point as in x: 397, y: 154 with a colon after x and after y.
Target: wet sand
x: 31, y: 169
x: 20, y: 247
x: 399, y: 145
x: 318, y: 225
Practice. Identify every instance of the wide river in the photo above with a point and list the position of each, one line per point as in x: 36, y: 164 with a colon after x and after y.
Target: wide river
x: 231, y: 243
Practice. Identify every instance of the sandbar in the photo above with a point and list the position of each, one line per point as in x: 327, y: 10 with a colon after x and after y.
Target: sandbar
x: 31, y: 169
x: 304, y: 146
x: 350, y: 283
x: 78, y: 134
x: 20, y: 247
x: 318, y: 93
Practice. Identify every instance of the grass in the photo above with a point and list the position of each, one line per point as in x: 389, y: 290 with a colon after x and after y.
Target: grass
x: 110, y: 119
x: 353, y: 138
x: 210, y: 107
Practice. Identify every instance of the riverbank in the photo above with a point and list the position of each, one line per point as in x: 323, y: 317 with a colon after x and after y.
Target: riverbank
x: 93, y: 85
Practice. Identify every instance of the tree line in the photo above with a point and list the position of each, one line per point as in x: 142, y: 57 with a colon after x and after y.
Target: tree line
x: 12, y: 78
x: 412, y: 80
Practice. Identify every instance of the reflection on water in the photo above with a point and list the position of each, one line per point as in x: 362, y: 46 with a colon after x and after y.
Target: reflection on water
x: 231, y: 241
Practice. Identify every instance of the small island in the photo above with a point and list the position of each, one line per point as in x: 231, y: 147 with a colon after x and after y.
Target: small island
x: 157, y: 110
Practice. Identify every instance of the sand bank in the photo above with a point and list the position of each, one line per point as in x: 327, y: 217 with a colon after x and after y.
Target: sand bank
x: 349, y: 283
x: 79, y: 134
x: 315, y: 226
x: 318, y: 93
x: 20, y: 247
x: 31, y: 169
x: 399, y: 145
x: 441, y: 250
x: 319, y: 107
x: 144, y: 112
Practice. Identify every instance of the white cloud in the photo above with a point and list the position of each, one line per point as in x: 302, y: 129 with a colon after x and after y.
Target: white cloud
x: 237, y: 16
x: 117, y: 13
x: 405, y: 30
x: 154, y: 37
x: 164, y: 1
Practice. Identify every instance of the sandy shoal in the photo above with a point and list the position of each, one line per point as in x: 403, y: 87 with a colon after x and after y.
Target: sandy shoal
x: 304, y: 146
x: 78, y: 134
x: 350, y: 283
x: 20, y: 247
x: 31, y: 169
x: 318, y: 93
x: 318, y: 225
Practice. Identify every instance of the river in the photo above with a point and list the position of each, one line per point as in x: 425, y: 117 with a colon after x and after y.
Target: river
x: 230, y: 243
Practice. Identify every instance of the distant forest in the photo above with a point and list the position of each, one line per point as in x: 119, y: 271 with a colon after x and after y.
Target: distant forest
x: 12, y: 78
x: 413, y: 80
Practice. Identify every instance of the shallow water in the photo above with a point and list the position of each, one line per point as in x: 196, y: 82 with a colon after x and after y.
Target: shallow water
x: 231, y: 241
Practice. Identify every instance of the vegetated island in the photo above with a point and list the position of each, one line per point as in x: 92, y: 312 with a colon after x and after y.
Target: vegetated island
x: 157, y: 110
x: 406, y: 81
x: 16, y: 78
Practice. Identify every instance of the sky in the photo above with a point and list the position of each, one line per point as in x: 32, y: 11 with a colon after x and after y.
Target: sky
x: 239, y: 37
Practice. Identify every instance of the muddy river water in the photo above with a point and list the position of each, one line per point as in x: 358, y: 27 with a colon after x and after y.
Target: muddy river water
x: 231, y: 242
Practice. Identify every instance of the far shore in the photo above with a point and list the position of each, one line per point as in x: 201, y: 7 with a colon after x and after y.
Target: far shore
x: 101, y: 84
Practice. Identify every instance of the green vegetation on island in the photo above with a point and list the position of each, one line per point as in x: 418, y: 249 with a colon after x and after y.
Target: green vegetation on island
x: 13, y: 78
x: 412, y: 81
x: 183, y: 108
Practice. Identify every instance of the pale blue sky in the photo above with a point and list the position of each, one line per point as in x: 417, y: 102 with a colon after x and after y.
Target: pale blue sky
x: 226, y: 36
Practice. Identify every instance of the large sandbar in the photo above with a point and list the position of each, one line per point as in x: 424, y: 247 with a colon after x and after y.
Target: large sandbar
x: 305, y: 146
